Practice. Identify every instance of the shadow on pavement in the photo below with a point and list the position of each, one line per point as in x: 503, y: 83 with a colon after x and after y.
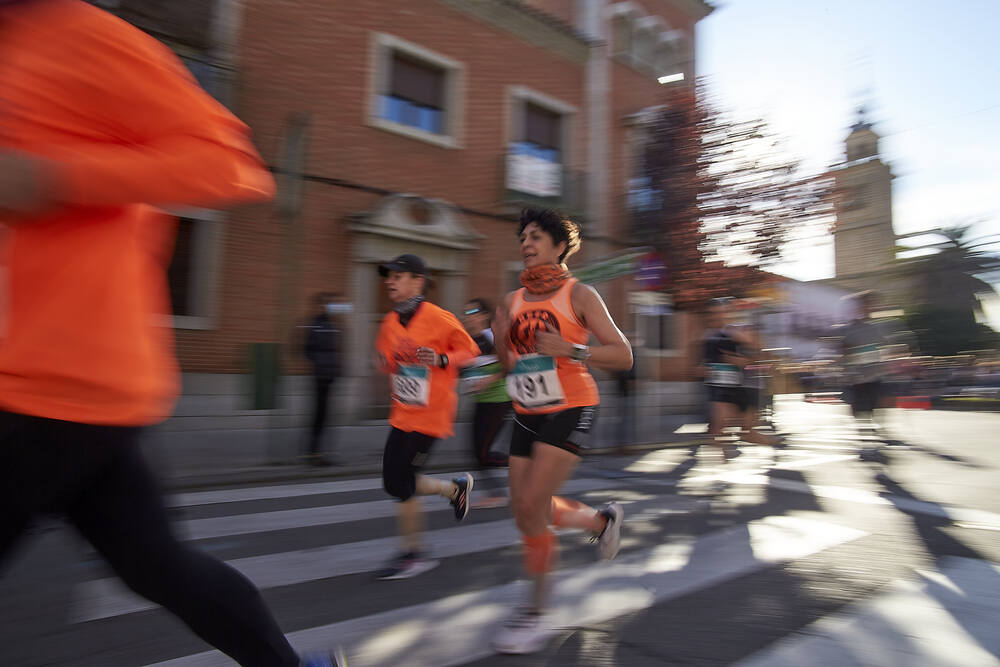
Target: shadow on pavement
x: 943, y: 547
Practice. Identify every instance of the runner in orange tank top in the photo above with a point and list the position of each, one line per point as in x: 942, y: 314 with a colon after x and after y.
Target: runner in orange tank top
x: 542, y: 334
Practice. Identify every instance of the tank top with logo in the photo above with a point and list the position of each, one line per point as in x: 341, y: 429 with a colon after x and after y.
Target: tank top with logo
x: 540, y: 384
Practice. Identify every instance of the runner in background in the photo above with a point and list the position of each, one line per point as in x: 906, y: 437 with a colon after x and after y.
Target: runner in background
x: 420, y: 346
x: 483, y: 377
x: 723, y: 371
x: 542, y: 334
x: 753, y: 387
x: 865, y: 345
x: 733, y: 385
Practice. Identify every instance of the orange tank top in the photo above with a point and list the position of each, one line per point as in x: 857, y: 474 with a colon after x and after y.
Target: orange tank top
x: 539, y: 384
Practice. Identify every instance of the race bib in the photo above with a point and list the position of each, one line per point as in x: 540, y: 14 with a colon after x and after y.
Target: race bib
x: 723, y: 375
x: 863, y: 355
x: 411, y: 384
x: 534, y: 382
x: 471, y: 377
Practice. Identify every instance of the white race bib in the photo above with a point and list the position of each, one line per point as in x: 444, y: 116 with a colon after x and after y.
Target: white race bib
x: 723, y: 375
x: 471, y: 378
x: 411, y: 385
x: 534, y: 382
x: 863, y: 355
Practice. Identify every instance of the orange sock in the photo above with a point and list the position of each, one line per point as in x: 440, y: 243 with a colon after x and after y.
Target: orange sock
x: 538, y: 552
x: 569, y: 513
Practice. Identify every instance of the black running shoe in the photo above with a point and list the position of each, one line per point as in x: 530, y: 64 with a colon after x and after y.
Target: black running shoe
x: 461, y: 500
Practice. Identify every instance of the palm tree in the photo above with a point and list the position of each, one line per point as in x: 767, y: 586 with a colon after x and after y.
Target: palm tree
x: 946, y: 286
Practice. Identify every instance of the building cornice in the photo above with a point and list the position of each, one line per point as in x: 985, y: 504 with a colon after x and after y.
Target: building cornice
x: 532, y: 25
x: 695, y: 8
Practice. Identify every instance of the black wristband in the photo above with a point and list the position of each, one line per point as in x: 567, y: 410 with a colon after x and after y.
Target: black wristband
x: 443, y: 363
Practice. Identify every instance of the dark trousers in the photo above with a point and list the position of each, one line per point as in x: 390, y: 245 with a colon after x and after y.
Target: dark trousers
x: 97, y: 478
x: 487, y: 421
x: 321, y: 394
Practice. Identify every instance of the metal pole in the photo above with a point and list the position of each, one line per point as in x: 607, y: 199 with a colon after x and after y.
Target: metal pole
x: 291, y: 166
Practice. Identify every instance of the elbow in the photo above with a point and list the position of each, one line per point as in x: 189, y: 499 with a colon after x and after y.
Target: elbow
x: 625, y: 359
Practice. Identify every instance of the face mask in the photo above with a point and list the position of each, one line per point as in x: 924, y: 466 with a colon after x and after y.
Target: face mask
x: 339, y: 308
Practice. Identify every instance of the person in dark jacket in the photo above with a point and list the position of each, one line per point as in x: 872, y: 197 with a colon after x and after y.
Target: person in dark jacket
x: 323, y: 346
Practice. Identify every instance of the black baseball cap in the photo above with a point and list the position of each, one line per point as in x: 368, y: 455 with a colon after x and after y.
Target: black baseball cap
x: 408, y: 263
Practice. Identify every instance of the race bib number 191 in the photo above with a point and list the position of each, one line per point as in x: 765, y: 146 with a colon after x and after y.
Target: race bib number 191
x: 411, y: 385
x: 534, y: 382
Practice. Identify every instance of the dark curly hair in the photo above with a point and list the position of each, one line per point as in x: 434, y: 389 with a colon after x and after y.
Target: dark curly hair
x: 555, y: 224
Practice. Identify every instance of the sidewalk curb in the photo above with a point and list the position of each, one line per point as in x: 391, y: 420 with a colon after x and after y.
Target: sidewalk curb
x: 278, y: 473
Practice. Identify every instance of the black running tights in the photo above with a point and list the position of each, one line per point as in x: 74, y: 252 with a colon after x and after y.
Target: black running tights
x: 97, y: 478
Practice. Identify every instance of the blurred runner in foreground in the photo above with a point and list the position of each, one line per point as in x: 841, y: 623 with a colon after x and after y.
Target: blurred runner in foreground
x: 98, y: 122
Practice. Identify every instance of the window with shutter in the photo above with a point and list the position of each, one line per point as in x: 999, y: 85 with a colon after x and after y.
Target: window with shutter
x: 416, y: 95
x: 416, y: 92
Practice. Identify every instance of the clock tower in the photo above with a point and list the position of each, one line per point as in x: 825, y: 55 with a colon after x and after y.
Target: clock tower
x: 864, y: 240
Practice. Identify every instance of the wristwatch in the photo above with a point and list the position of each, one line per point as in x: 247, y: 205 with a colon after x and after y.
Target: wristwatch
x: 443, y: 360
x: 580, y: 352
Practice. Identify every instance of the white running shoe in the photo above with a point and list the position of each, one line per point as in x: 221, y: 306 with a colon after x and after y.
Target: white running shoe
x: 406, y: 565
x: 610, y: 539
x: 524, y: 632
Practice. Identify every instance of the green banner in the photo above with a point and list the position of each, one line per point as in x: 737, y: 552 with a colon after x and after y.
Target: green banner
x: 608, y: 269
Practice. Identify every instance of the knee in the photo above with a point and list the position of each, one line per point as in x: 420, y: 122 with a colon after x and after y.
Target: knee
x: 530, y: 514
x: 399, y: 481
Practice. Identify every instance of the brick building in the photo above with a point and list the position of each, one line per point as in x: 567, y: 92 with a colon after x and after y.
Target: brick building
x: 414, y: 126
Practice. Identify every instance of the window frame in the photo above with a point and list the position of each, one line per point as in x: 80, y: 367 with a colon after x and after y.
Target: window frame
x: 637, y: 302
x: 518, y: 99
x: 205, y: 269
x: 383, y: 48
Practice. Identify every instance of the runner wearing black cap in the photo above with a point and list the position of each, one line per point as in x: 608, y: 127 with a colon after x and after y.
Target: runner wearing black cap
x: 420, y: 346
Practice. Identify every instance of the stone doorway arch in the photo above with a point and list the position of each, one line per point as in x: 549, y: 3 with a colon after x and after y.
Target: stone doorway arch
x: 438, y: 233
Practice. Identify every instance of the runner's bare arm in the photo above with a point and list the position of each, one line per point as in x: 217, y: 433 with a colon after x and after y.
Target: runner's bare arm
x: 501, y: 331
x: 614, y: 352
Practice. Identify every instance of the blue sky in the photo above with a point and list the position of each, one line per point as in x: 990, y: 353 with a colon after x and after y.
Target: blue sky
x: 928, y: 70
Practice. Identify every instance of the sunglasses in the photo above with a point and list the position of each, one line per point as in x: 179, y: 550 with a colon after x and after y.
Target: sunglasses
x: 473, y: 311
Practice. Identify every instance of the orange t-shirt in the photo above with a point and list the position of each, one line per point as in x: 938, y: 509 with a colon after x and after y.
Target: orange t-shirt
x: 423, y: 398
x: 123, y: 126
x: 541, y: 385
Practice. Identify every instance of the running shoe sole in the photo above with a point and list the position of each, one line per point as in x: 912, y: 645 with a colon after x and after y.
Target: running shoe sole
x: 532, y: 644
x: 610, y: 540
x: 417, y: 568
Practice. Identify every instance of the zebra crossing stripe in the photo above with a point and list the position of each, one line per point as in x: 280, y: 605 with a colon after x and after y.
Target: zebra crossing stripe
x: 280, y: 491
x: 457, y: 629
x: 308, y: 517
x: 108, y: 597
x: 276, y: 492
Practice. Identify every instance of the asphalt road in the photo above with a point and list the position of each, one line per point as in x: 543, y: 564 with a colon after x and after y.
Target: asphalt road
x: 803, y: 555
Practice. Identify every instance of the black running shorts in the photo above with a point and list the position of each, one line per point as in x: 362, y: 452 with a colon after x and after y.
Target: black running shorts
x: 568, y: 429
